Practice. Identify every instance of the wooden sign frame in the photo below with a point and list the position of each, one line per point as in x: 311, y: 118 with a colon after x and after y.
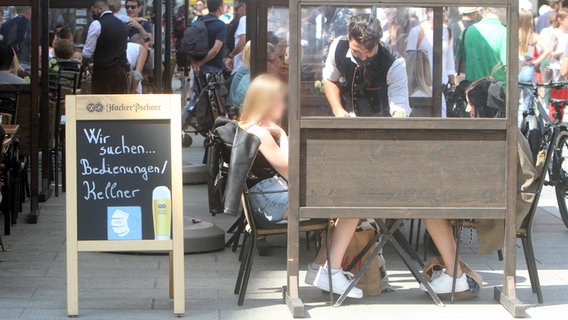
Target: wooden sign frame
x: 322, y: 186
x: 170, y: 109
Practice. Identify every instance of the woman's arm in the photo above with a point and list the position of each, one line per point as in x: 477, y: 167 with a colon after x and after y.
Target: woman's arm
x: 277, y: 155
x: 137, y: 73
x: 545, y: 50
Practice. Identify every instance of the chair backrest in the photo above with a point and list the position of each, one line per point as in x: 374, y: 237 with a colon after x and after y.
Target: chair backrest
x: 232, y: 148
x: 9, y: 107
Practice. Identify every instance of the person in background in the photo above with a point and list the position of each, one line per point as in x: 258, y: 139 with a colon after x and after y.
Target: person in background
x: 284, y: 57
x: 530, y: 44
x: 362, y: 78
x: 7, y: 56
x: 484, y: 52
x: 78, y: 55
x: 217, y: 32
x: 543, y: 21
x: 469, y: 16
x: 115, y: 6
x: 264, y: 107
x: 147, y: 43
x: 419, y: 78
x: 16, y: 32
x: 136, y: 55
x: 200, y: 9
x: 106, y: 48
x: 273, y: 62
x: 241, y: 80
x: 64, y: 34
x: 421, y: 38
x: 235, y: 58
x: 178, y: 30
x: 136, y: 24
x: 227, y: 17
x: 62, y: 49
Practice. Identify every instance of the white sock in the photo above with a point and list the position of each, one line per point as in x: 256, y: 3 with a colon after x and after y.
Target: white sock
x: 333, y: 271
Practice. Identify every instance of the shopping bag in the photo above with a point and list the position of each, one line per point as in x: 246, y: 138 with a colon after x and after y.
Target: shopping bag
x: 370, y: 283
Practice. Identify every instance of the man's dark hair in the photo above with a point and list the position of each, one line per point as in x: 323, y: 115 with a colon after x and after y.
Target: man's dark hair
x: 366, y: 30
x: 100, y: 4
x: 214, y: 5
x: 6, y: 56
x: 138, y: 2
x: 65, y: 33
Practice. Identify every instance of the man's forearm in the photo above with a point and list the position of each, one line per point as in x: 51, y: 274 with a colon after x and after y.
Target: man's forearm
x: 238, y: 48
x: 333, y: 95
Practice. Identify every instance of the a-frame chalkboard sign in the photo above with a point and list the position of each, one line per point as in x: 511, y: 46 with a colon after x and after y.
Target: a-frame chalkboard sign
x: 124, y: 178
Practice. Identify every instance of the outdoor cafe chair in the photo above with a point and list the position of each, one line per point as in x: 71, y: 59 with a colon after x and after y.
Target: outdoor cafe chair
x: 256, y: 228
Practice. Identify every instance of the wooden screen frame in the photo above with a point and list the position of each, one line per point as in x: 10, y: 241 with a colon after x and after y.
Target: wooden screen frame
x: 171, y: 110
x: 298, y: 148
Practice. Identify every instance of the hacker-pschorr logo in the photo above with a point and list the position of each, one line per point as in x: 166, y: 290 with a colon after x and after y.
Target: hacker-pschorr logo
x: 95, y: 107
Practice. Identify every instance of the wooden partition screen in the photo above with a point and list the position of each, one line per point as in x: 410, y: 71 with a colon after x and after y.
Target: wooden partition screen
x: 411, y: 168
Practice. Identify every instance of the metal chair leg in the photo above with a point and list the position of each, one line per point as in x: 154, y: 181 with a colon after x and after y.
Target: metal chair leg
x: 418, y: 229
x: 245, y: 252
x: 411, y: 233
x: 456, y: 260
x: 245, y: 238
x: 328, y: 259
x: 531, y: 266
x: 248, y: 268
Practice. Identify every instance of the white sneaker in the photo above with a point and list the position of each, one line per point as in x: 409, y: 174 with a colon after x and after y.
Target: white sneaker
x: 312, y: 274
x: 443, y: 284
x: 340, y: 281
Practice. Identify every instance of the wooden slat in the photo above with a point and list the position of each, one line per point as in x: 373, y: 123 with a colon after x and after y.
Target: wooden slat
x: 404, y: 212
x: 410, y: 123
x: 414, y: 168
x: 126, y: 245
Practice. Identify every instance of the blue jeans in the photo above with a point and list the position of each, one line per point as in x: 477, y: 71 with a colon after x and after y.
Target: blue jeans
x: 527, y: 74
x: 269, y: 199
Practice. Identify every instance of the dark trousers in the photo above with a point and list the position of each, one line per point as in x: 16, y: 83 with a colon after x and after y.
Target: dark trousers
x: 113, y: 80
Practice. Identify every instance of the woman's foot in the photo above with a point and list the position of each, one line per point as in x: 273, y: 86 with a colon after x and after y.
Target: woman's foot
x: 442, y: 284
x: 340, y: 283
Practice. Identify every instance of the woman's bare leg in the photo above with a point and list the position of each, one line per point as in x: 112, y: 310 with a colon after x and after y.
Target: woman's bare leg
x: 441, y: 232
x: 340, y: 238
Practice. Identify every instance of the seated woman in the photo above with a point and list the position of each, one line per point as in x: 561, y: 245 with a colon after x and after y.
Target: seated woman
x: 486, y: 99
x: 264, y: 107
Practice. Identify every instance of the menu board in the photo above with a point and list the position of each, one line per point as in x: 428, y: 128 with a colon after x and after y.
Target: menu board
x: 123, y: 180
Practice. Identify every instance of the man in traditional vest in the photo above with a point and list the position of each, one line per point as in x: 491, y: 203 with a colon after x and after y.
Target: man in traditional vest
x: 106, y: 48
x: 361, y: 77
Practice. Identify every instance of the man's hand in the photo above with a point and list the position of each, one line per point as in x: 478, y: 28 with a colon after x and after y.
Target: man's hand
x: 230, y: 63
x: 196, y: 66
x: 135, y: 24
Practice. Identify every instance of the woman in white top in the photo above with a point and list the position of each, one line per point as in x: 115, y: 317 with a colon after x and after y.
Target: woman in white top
x: 136, y: 55
x: 421, y: 37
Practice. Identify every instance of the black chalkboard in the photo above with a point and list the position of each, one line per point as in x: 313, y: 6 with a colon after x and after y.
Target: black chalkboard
x: 119, y: 164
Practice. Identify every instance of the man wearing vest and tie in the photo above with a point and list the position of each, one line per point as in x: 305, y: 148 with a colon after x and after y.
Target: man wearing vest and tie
x: 106, y: 48
x: 361, y: 77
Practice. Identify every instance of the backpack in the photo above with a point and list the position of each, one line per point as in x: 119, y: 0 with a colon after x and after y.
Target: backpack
x: 195, y: 41
x: 210, y: 104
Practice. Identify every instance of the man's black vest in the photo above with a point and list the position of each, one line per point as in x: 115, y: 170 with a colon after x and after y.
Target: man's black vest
x: 364, y: 91
x: 111, y: 44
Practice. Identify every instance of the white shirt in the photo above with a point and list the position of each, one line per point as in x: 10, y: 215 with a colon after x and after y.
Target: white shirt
x: 397, y: 80
x: 132, y: 54
x: 122, y: 17
x: 92, y: 37
x: 241, y: 30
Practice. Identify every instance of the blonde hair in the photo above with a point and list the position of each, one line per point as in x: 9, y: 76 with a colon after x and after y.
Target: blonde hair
x: 419, y: 74
x: 526, y: 31
x: 246, y: 54
x: 262, y: 94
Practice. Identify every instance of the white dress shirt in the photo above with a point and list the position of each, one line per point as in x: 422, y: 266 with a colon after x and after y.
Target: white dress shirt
x: 92, y: 37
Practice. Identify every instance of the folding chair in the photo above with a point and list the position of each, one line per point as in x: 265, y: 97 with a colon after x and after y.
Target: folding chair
x: 252, y: 232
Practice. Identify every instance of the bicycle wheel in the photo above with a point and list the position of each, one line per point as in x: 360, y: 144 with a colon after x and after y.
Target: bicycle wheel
x: 561, y: 171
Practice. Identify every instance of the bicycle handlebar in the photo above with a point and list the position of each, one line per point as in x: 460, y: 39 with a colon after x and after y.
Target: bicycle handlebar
x: 552, y: 85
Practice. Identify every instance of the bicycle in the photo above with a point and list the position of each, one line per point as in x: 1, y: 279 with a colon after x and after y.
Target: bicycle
x: 542, y: 132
